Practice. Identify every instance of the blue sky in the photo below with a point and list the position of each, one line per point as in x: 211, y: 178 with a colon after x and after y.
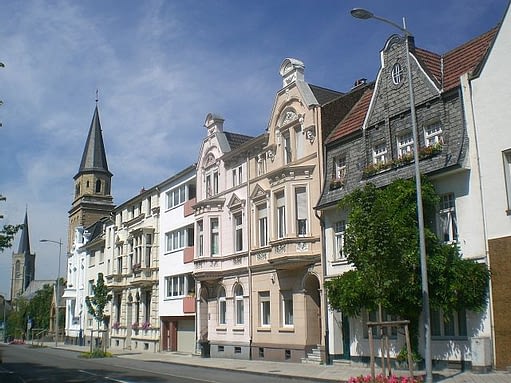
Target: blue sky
x: 160, y: 68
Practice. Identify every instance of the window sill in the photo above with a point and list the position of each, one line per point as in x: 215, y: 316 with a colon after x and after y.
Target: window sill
x: 287, y: 329
x: 338, y: 262
x: 221, y: 329
x: 264, y: 329
x: 238, y: 329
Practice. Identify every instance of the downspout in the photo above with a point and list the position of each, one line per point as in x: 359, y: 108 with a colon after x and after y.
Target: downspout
x: 321, y: 156
x: 249, y: 260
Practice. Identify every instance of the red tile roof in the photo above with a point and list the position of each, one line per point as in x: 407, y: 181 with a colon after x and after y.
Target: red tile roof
x: 460, y: 60
x: 354, y: 119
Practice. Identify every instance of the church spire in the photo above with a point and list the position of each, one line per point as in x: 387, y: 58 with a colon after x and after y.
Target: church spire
x: 24, y: 246
x: 94, y: 155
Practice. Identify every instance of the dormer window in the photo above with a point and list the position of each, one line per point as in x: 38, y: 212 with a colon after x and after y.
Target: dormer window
x: 397, y: 74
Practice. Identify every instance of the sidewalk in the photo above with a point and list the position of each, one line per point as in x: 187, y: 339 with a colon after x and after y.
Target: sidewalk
x: 332, y: 373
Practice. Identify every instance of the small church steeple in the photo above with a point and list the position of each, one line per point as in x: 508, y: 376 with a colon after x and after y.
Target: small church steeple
x: 23, y: 263
x: 92, y: 196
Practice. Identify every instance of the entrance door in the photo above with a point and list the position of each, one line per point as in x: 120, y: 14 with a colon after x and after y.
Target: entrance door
x: 346, y: 342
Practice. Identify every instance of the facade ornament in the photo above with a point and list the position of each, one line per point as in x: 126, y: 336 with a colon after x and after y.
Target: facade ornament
x: 280, y: 249
x: 302, y: 246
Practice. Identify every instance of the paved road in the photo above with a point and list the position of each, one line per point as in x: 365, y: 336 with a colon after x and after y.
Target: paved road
x: 23, y: 364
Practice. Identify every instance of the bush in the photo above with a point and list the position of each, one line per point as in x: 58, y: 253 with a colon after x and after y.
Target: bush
x: 96, y: 353
x: 384, y: 379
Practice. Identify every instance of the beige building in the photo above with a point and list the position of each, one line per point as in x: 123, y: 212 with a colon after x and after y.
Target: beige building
x: 285, y: 239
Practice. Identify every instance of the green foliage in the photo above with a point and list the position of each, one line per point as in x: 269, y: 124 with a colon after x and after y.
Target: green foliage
x: 97, y: 302
x: 7, y: 235
x: 39, y: 307
x: 17, y: 319
x: 96, y: 353
x: 382, y: 244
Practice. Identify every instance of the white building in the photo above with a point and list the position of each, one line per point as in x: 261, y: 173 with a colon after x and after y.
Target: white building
x: 176, y: 302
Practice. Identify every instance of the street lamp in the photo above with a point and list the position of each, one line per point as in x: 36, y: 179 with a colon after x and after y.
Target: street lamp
x: 57, y: 290
x: 363, y: 14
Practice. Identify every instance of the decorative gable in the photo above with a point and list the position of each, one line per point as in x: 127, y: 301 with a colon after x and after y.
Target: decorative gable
x: 235, y: 203
x: 391, y: 96
x: 259, y: 193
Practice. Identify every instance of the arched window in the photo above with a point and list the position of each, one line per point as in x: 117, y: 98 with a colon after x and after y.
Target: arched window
x: 17, y: 269
x: 77, y: 190
x: 98, y: 186
x: 222, y: 306
x: 238, y: 304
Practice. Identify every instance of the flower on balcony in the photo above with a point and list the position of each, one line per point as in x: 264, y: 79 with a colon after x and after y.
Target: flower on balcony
x: 384, y: 379
x: 146, y: 325
x: 135, y: 326
x: 116, y: 325
x: 430, y: 151
x: 372, y: 169
x: 337, y: 183
x: 136, y: 266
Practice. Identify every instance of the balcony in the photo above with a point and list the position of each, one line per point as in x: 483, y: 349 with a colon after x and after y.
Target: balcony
x: 144, y: 277
x: 188, y: 209
x: 188, y: 254
x: 189, y: 305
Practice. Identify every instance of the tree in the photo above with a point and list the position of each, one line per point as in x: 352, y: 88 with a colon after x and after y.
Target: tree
x: 97, y: 302
x: 382, y: 245
x: 7, y: 235
x: 39, y: 307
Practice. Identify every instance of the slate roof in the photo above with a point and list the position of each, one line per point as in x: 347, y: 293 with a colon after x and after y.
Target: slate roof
x: 24, y: 246
x: 324, y: 95
x: 235, y: 139
x: 447, y: 68
x: 354, y: 119
x: 94, y: 155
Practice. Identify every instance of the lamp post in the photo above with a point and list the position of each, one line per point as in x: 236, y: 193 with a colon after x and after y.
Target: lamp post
x: 57, y: 290
x: 360, y: 13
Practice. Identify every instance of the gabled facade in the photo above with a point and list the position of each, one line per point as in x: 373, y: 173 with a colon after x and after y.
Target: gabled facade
x: 221, y: 248
x: 177, y: 298
x: 486, y: 102
x: 132, y: 269
x: 374, y: 143
x: 285, y: 235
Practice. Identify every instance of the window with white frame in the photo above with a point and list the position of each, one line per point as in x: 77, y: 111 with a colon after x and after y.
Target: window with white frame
x: 90, y: 287
x: 176, y: 196
x: 506, y: 156
x: 177, y: 286
x: 281, y: 214
x: 215, y: 183
x: 444, y: 325
x: 433, y: 134
x: 405, y: 144
x: 239, y: 305
x: 262, y: 227
x: 302, y: 212
x: 237, y: 176
x: 200, y: 238
x: 380, y: 153
x: 288, y: 151
x: 287, y: 308
x: 175, y: 240
x: 340, y: 168
x: 238, y: 231
x: 339, y: 234
x: 222, y: 307
x: 214, y: 236
x: 397, y: 73
x: 264, y: 308
x: 448, y: 229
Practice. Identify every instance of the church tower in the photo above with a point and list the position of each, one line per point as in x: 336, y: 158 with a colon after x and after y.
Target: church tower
x: 92, y: 184
x: 23, y: 263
